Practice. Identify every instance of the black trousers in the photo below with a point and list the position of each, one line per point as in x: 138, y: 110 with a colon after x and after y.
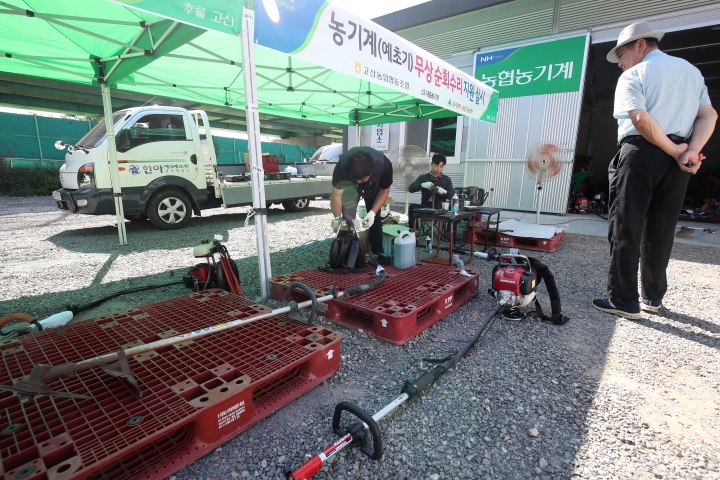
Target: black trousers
x: 647, y: 189
x: 349, y: 211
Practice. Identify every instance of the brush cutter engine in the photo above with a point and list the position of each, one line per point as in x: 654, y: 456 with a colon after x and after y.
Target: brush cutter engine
x: 515, y: 283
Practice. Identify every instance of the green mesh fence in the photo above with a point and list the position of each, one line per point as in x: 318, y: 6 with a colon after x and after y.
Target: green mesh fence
x: 28, y: 141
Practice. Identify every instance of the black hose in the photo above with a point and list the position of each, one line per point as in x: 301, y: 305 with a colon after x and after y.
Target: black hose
x: 428, y: 378
x: 87, y: 306
x: 366, y: 287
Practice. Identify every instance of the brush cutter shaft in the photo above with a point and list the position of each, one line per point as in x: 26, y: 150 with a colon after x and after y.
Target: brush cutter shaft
x: 310, y: 468
x: 221, y: 327
x: 35, y: 383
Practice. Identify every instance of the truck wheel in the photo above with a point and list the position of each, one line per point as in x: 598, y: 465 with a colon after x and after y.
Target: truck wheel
x: 169, y: 210
x: 297, y: 205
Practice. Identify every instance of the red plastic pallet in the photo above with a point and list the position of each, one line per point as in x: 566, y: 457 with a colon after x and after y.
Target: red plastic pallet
x: 408, y: 302
x: 503, y: 240
x: 196, y: 395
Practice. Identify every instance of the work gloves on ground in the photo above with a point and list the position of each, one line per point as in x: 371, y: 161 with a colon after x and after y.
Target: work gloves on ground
x: 427, y: 185
x: 441, y: 191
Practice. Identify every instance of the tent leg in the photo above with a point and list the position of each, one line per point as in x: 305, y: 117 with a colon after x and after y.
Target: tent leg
x: 112, y: 160
x: 254, y: 148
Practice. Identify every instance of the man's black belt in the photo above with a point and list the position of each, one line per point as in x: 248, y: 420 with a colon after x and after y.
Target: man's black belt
x: 674, y: 138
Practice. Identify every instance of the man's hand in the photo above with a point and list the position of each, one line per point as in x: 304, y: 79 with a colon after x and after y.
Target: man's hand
x: 690, y: 161
x: 335, y: 224
x: 427, y: 185
x: 369, y: 219
x: 441, y: 191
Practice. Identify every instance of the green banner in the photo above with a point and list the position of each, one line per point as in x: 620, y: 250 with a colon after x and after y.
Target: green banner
x: 548, y: 67
x: 222, y: 15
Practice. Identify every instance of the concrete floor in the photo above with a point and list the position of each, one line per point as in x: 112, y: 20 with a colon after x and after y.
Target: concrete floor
x: 590, y: 224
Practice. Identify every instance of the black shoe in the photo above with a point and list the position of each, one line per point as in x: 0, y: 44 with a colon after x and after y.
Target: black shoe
x: 651, y: 306
x: 630, y: 311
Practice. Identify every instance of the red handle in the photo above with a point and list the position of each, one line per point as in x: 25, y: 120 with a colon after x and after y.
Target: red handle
x: 307, y: 469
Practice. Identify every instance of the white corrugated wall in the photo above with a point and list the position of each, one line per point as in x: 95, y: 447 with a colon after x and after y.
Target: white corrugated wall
x: 497, y: 154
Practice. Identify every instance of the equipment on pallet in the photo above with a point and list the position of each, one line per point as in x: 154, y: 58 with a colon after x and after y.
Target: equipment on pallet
x: 544, y: 161
x: 517, y: 279
x: 197, y: 395
x: 116, y: 363
x: 408, y: 162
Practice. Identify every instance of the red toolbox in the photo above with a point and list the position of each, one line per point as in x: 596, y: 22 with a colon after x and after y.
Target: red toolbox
x: 270, y: 164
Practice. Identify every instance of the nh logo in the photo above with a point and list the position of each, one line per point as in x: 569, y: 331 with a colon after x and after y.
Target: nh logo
x: 486, y: 58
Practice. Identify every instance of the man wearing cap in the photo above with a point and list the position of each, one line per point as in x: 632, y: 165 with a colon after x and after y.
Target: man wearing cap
x: 664, y: 119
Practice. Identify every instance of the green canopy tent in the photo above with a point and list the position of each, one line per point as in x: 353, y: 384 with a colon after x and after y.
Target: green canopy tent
x: 313, y: 61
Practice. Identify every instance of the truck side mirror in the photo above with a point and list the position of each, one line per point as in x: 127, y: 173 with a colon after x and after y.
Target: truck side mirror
x: 60, y: 145
x: 123, y: 142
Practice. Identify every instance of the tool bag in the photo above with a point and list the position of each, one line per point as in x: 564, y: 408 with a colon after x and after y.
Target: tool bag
x: 346, y: 252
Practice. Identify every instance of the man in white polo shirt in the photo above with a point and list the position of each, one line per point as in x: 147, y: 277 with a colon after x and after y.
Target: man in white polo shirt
x: 664, y: 119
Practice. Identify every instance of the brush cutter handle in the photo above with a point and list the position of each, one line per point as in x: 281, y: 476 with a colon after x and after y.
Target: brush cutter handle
x: 358, y: 430
x: 428, y: 378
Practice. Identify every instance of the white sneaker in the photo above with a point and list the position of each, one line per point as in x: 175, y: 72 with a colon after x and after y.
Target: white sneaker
x: 650, y: 306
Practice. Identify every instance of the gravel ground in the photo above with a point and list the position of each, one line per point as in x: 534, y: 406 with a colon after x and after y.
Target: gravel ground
x: 601, y: 397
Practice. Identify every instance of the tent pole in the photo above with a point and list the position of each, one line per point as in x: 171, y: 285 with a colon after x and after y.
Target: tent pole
x: 254, y: 148
x: 112, y: 160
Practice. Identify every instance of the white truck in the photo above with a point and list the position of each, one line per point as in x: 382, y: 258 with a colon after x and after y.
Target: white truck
x: 168, y: 171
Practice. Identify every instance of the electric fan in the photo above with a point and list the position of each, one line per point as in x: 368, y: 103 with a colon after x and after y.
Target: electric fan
x: 544, y: 161
x: 408, y: 162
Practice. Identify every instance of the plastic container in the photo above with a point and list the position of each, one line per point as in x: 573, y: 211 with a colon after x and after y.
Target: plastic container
x: 390, y: 233
x: 404, y: 250
x: 455, y: 203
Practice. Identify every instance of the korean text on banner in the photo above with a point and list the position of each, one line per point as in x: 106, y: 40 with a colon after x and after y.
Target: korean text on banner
x: 325, y: 35
x: 547, y: 67
x: 221, y: 15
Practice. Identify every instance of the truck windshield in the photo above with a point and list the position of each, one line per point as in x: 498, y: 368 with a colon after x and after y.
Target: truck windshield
x: 95, y: 136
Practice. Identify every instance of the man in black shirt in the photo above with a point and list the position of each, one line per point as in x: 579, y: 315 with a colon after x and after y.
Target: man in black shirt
x: 435, y: 188
x: 361, y: 172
